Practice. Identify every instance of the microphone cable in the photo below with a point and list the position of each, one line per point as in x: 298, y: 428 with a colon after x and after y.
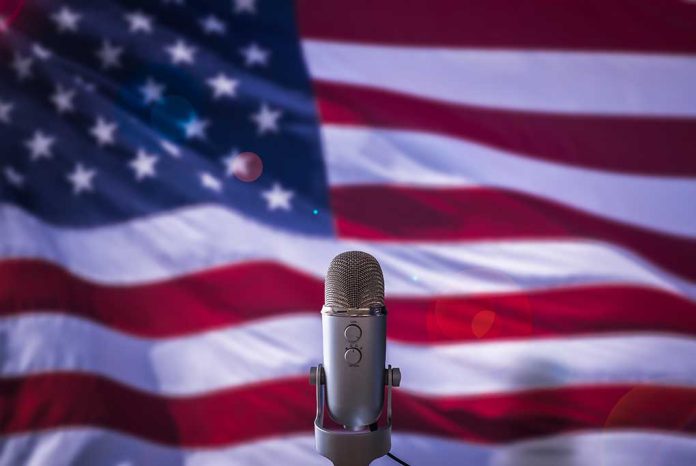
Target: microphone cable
x: 395, y: 458
x: 373, y: 427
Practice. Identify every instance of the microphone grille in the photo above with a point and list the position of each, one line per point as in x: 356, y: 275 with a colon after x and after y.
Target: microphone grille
x: 354, y: 280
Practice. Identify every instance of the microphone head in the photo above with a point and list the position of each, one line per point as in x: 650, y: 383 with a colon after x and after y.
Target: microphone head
x: 354, y: 280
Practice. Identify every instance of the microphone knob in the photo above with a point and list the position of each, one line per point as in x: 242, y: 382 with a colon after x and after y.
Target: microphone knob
x: 352, y: 333
x: 353, y: 356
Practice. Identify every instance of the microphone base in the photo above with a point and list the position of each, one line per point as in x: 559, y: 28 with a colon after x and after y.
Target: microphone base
x: 352, y: 448
x: 346, y: 447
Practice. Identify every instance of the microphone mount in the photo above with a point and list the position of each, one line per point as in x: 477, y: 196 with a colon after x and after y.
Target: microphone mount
x: 347, y: 447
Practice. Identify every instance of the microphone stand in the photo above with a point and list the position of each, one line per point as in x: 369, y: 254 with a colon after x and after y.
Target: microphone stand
x: 351, y: 448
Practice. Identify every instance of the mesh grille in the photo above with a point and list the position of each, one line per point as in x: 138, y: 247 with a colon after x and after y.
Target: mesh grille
x: 354, y: 280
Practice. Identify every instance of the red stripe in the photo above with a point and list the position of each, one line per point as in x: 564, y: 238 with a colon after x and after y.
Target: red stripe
x: 663, y: 146
x: 287, y: 406
x: 570, y: 311
x: 622, y: 25
x: 210, y: 299
x: 470, y: 214
x: 229, y: 296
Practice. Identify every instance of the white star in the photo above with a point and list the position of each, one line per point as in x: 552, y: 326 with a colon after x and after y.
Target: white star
x: 139, y: 22
x: 211, y: 24
x: 170, y: 148
x: 144, y: 165
x: 210, y: 182
x: 103, y: 131
x: 223, y: 86
x: 13, y: 177
x: 41, y: 52
x: 180, y: 52
x: 22, y: 66
x: 81, y: 178
x: 109, y: 55
x: 266, y: 119
x: 63, y: 99
x: 66, y: 19
x: 40, y: 145
x: 230, y: 162
x: 152, y: 91
x: 255, y: 55
x: 195, y: 128
x: 83, y: 84
x: 5, y: 110
x: 245, y: 6
x: 278, y: 198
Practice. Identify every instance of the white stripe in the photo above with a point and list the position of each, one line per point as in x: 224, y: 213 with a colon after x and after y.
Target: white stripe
x: 543, y: 81
x: 288, y: 346
x: 92, y: 446
x: 357, y: 155
x: 198, y: 238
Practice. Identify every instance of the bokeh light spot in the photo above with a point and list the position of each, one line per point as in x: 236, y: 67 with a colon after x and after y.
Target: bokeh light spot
x: 482, y: 323
x: 481, y: 315
x: 171, y: 114
x: 9, y: 12
x: 247, y: 167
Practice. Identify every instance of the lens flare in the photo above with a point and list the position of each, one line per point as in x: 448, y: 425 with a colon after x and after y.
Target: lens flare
x: 477, y: 315
x: 247, y: 167
x: 9, y: 12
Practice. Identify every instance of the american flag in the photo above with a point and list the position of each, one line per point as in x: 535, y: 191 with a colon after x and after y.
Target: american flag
x: 525, y: 172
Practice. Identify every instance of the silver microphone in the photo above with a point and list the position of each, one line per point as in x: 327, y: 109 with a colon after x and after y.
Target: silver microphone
x: 350, y: 384
x: 354, y: 328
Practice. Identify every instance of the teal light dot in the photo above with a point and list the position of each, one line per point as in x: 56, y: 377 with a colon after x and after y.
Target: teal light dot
x: 315, y: 211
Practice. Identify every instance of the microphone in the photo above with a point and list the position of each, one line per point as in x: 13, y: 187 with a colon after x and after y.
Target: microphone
x: 350, y: 383
x: 354, y: 330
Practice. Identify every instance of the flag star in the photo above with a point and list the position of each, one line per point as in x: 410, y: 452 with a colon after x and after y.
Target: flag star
x: 144, y: 165
x: 255, y: 55
x: 22, y: 67
x: 245, y: 6
x: 195, y: 128
x: 170, y: 148
x: 63, y: 99
x: 223, y: 86
x: 41, y: 52
x: 211, y: 24
x: 40, y: 145
x: 66, y: 19
x: 139, y: 22
x: 266, y: 119
x: 231, y: 162
x: 13, y: 177
x: 109, y: 55
x: 83, y: 84
x: 210, y: 182
x: 152, y: 91
x: 278, y: 198
x: 81, y: 179
x: 5, y: 110
x: 180, y: 52
x: 103, y: 131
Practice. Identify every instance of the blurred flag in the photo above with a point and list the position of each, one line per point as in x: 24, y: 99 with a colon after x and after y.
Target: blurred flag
x: 525, y: 172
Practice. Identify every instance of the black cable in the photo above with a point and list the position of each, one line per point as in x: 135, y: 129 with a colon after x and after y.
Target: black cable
x: 373, y: 427
x: 394, y: 457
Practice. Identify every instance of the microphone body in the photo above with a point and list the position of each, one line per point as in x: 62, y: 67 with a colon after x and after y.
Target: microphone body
x: 351, y: 382
x: 354, y: 347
